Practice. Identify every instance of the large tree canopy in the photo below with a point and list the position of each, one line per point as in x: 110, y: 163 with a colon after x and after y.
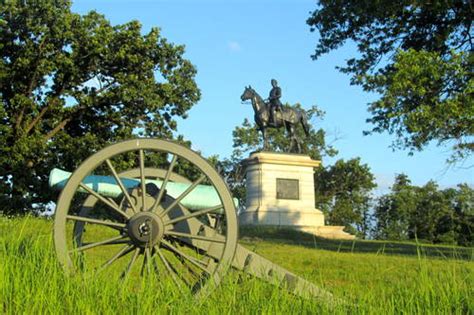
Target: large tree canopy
x: 71, y: 83
x: 418, y: 56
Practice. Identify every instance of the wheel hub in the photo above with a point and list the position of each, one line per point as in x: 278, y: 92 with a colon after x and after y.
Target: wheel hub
x: 145, y: 229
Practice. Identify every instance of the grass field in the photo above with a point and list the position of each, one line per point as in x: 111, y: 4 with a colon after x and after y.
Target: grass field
x: 371, y: 277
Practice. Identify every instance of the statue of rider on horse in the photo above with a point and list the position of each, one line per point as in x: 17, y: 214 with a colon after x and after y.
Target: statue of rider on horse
x: 274, y: 100
x: 272, y: 114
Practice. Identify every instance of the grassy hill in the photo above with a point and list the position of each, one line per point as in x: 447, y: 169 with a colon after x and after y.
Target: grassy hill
x: 276, y: 235
x: 370, y: 277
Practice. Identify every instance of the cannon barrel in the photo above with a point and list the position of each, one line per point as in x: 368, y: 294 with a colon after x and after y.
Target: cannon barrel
x: 202, y: 197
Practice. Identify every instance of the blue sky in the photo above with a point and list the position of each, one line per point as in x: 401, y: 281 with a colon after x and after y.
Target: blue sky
x: 237, y: 43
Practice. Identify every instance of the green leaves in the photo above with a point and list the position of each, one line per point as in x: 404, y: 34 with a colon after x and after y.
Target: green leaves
x: 426, y: 213
x: 417, y: 57
x: 343, y: 193
x: 69, y: 81
x: 428, y: 98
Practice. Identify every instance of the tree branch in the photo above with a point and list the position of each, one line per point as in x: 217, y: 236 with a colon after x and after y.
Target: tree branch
x: 37, y: 119
x: 105, y: 87
x: 44, y: 110
x: 65, y: 121
x: 19, y: 119
x: 60, y: 126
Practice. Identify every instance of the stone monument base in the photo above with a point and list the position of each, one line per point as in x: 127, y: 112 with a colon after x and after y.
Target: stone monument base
x: 295, y: 221
x: 280, y: 193
x: 281, y: 217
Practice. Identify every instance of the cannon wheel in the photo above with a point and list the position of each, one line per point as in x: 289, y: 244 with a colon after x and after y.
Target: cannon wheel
x: 152, y: 227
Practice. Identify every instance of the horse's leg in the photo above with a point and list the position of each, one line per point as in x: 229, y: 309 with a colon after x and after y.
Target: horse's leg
x: 264, y: 136
x: 295, y: 141
x: 290, y: 132
x: 298, y: 144
x: 304, y: 122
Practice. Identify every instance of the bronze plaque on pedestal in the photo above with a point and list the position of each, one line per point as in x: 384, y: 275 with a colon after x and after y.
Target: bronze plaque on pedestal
x: 287, y: 189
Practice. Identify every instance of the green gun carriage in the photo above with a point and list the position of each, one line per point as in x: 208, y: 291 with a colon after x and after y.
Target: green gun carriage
x: 143, y: 218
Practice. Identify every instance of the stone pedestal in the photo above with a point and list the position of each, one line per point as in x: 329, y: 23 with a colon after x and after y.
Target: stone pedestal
x: 280, y: 192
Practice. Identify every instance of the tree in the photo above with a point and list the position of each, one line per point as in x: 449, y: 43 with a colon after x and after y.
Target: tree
x: 431, y: 206
x: 393, y: 211
x: 425, y: 213
x: 343, y: 194
x: 455, y: 225
x: 69, y: 84
x: 463, y: 204
x: 418, y: 56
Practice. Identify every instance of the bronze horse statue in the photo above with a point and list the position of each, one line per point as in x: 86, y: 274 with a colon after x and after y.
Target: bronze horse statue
x: 288, y: 117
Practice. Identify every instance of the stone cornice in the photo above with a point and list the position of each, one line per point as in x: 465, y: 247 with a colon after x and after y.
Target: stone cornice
x: 281, y: 159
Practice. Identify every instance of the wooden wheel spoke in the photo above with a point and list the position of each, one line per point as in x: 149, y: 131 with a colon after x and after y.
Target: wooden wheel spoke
x: 126, y: 240
x: 171, y: 270
x: 184, y: 194
x: 124, y: 251
x: 193, y: 214
x: 146, y: 261
x: 114, y: 225
x: 106, y: 201
x: 201, y: 265
x: 196, y: 274
x: 113, y: 202
x: 142, y: 178
x: 153, y: 261
x: 121, y: 185
x: 165, y: 182
x: 197, y: 237
x: 109, y: 241
x: 179, y: 272
x: 130, y: 264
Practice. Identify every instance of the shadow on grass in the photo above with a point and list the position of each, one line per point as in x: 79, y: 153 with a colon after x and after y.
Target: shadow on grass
x: 288, y: 236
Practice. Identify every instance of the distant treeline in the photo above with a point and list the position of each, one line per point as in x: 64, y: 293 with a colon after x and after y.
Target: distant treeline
x: 425, y: 213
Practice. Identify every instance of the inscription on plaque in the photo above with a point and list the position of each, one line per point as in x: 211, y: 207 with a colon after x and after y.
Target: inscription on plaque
x: 287, y: 189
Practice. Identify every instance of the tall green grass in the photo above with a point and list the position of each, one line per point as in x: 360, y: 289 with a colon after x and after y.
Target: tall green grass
x: 31, y: 281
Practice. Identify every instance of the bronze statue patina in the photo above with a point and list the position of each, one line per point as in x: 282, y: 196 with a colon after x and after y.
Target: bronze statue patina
x: 274, y: 100
x: 272, y: 114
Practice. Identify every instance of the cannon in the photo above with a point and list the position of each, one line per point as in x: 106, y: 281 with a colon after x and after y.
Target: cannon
x: 126, y: 210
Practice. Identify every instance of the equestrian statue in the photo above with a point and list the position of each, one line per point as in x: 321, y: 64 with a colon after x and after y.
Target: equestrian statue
x: 271, y: 114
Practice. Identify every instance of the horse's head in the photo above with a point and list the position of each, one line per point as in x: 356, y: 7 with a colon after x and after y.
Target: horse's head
x: 248, y: 94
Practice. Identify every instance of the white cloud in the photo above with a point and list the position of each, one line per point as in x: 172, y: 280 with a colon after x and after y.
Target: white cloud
x: 234, y: 46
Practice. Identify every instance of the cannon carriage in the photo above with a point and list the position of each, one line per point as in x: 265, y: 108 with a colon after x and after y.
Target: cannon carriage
x: 143, y: 218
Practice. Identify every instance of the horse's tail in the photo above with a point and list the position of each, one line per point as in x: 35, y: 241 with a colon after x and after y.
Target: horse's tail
x: 304, y: 122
